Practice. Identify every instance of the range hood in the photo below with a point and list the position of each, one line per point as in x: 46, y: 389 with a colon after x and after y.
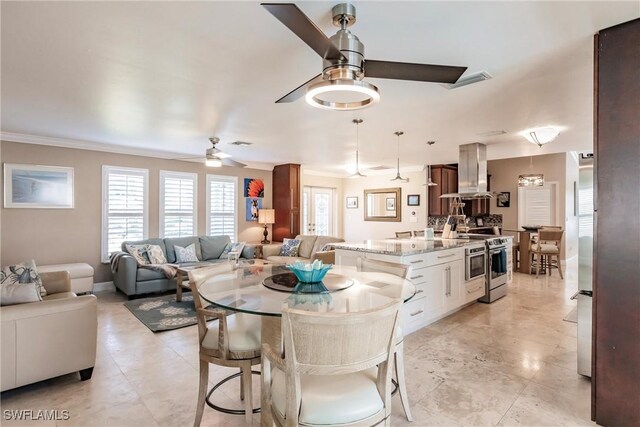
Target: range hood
x: 472, y: 173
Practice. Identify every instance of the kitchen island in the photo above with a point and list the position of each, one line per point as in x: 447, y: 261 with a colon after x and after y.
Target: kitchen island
x: 437, y: 269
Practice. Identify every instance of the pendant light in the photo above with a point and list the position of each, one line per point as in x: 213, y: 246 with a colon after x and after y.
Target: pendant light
x: 357, y: 174
x: 430, y: 182
x: 398, y: 177
x: 531, y: 180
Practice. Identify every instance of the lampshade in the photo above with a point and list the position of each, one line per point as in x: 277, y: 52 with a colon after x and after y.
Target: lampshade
x: 541, y: 136
x: 266, y: 216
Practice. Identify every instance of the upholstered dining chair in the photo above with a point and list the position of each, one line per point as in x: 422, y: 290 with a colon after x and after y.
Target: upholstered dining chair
x: 336, y: 369
x: 403, y: 234
x: 548, y: 246
x: 228, y: 340
x: 400, y: 270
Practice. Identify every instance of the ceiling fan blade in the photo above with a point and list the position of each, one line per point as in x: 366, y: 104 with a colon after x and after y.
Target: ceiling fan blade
x: 294, y: 19
x: 299, y: 91
x: 415, y: 72
x: 229, y: 162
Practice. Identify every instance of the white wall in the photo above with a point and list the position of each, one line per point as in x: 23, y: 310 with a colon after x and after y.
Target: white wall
x: 571, y: 218
x: 356, y: 228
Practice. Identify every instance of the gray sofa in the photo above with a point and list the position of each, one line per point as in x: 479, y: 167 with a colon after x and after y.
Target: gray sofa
x: 135, y: 281
x: 311, y: 248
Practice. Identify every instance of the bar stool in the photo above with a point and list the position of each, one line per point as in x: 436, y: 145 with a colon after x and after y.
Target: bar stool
x: 548, y: 246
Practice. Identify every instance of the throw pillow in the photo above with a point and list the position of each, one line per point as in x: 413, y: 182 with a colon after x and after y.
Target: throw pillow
x: 232, y: 247
x: 139, y: 252
x: 155, y: 254
x: 21, y: 283
x: 290, y: 247
x: 187, y: 254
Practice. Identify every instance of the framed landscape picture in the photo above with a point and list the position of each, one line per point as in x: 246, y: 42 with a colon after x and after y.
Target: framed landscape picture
x: 39, y: 187
x: 413, y: 200
x: 352, y: 202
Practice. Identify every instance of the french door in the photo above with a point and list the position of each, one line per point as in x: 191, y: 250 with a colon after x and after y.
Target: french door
x: 318, y: 216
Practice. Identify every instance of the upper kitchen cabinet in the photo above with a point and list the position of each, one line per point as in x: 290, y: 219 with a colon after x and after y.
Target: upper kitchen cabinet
x: 286, y: 201
x: 446, y: 177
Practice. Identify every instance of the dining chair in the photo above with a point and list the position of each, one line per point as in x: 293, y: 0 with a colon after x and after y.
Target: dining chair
x: 229, y: 340
x: 418, y: 233
x: 548, y: 246
x: 403, y: 234
x: 336, y: 369
x: 400, y: 270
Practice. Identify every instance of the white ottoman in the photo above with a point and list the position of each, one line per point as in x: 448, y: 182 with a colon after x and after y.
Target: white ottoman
x: 81, y: 275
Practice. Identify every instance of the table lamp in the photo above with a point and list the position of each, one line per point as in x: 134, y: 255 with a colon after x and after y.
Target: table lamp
x: 266, y: 217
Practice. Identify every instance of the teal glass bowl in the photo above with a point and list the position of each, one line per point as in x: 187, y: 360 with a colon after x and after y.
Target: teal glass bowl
x: 310, y: 276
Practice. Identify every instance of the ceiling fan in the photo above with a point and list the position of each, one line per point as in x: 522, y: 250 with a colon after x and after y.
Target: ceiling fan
x: 340, y: 86
x: 214, y: 157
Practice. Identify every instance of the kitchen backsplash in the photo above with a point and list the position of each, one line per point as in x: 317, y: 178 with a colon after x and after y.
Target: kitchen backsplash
x: 437, y: 222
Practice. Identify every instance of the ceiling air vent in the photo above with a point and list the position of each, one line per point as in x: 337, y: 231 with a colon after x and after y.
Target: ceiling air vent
x: 241, y: 143
x: 468, y: 80
x: 492, y: 133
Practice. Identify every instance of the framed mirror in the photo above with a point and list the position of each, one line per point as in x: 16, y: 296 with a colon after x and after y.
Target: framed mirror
x: 383, y: 204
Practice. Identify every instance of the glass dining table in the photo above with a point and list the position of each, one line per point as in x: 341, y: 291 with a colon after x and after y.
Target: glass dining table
x: 243, y: 290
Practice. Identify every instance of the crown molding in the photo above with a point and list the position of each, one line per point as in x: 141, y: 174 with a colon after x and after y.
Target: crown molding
x: 111, y: 148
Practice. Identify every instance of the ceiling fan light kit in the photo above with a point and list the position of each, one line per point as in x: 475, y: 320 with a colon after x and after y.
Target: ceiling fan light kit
x: 213, y: 162
x: 541, y: 136
x: 340, y: 86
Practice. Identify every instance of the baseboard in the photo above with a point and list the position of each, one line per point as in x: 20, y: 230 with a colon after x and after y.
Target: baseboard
x: 104, y: 286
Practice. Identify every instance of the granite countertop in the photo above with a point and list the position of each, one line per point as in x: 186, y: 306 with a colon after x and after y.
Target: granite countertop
x: 403, y: 247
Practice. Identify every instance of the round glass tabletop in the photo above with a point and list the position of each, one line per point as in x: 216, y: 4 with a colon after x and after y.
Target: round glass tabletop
x: 242, y: 290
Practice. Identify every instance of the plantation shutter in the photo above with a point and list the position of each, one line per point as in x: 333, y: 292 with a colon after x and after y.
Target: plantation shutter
x: 124, y: 207
x: 222, y: 209
x: 177, y: 204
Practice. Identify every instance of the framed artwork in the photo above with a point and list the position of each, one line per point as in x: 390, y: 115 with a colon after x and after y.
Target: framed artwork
x: 413, y: 200
x: 253, y: 187
x: 253, y: 206
x: 503, y: 200
x: 391, y: 204
x: 40, y: 187
x: 352, y: 202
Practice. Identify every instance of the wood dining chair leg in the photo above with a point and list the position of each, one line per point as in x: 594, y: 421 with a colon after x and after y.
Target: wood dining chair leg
x: 202, y: 391
x: 402, y: 384
x: 248, y: 398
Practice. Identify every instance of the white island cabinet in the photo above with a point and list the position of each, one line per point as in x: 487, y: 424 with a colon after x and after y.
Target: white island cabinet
x: 436, y: 268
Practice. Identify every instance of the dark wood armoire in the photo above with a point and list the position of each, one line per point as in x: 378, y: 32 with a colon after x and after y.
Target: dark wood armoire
x: 286, y: 201
x: 616, y: 287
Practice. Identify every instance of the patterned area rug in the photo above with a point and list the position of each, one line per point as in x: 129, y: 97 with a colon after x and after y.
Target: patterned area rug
x: 164, y: 313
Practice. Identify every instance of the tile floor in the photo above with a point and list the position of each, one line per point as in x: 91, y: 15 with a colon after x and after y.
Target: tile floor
x: 509, y: 363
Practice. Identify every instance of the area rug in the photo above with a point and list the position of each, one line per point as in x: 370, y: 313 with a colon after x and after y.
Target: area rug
x: 164, y: 313
x: 572, y: 316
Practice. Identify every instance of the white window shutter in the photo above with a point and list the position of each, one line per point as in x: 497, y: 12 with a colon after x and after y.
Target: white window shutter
x: 178, y: 204
x: 221, y: 206
x: 125, y: 212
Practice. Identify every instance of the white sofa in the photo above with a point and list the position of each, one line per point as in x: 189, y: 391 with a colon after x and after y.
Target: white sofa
x: 311, y: 248
x: 46, y: 339
x: 81, y: 275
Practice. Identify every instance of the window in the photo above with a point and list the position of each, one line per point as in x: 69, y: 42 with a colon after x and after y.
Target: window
x: 222, y: 206
x: 537, y: 205
x: 125, y: 207
x: 178, y: 204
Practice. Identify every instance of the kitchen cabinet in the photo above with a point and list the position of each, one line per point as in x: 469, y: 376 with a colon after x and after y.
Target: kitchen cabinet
x: 286, y: 201
x: 447, y: 179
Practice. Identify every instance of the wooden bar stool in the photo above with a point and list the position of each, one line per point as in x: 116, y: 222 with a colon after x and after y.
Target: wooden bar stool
x: 548, y: 246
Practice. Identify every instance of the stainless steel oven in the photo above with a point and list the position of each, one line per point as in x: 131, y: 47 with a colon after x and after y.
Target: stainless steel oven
x: 475, y: 263
x: 497, y: 269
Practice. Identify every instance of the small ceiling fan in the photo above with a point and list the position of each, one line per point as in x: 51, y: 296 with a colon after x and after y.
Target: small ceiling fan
x: 214, y: 157
x: 340, y: 86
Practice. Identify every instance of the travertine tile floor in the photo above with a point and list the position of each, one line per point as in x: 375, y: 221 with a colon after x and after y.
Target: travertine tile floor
x: 512, y: 362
